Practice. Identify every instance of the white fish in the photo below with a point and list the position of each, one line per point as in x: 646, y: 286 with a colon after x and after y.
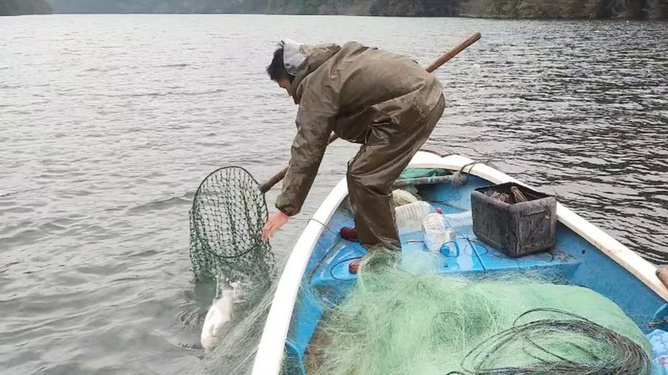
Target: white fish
x: 220, y: 314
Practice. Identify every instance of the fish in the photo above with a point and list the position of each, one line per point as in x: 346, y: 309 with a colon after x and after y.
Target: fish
x: 219, y: 317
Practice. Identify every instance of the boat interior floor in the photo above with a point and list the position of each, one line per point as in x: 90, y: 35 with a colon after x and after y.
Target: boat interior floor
x: 465, y: 255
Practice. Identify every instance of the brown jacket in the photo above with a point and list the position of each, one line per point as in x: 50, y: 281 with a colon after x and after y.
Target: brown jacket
x: 346, y: 90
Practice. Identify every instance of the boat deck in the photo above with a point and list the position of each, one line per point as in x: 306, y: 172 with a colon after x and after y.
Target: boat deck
x: 467, y: 255
x: 330, y: 278
x: 573, y: 260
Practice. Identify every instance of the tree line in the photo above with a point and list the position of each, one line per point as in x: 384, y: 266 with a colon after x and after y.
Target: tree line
x: 551, y: 9
x: 19, y: 7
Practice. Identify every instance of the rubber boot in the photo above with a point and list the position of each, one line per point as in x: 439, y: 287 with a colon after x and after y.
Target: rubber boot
x: 349, y: 234
x: 354, y: 266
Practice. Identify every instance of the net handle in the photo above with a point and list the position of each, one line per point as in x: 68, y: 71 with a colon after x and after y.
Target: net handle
x: 268, y: 184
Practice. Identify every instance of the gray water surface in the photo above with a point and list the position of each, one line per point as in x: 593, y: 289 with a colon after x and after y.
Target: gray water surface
x: 109, y: 123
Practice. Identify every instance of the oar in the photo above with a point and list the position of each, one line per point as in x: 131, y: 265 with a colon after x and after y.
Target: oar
x: 267, y: 185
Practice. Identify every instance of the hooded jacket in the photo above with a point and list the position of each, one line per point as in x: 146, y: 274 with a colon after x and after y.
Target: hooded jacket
x: 347, y: 90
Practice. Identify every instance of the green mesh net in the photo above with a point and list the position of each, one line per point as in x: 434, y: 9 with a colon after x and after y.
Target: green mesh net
x: 398, y: 321
x: 226, y: 219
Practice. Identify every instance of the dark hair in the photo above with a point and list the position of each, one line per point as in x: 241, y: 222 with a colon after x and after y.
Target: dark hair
x: 276, y: 69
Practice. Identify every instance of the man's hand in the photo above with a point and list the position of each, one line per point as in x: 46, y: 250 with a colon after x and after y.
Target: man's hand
x: 274, y: 223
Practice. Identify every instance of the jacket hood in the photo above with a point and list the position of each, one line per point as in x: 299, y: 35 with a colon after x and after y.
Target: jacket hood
x: 302, y: 59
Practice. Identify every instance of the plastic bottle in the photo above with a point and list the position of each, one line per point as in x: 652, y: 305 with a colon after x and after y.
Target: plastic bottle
x: 435, y: 232
x: 410, y: 216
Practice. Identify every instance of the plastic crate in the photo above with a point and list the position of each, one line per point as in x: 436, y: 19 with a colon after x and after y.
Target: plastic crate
x: 516, y: 229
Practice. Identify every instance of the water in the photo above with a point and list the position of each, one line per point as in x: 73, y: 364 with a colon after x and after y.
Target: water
x: 109, y: 123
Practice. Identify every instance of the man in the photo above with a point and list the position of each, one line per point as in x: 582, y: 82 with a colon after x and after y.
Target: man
x: 385, y: 101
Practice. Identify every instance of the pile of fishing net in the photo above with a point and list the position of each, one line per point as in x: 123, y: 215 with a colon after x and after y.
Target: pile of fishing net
x: 400, y: 322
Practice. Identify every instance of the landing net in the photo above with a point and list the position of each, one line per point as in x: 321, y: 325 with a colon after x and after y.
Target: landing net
x: 226, y: 219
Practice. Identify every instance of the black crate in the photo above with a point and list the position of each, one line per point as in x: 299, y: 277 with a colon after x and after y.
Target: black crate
x: 516, y: 229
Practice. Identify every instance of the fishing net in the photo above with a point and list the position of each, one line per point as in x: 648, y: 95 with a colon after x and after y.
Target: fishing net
x: 564, y: 344
x: 235, y: 354
x: 226, y: 219
x: 398, y: 321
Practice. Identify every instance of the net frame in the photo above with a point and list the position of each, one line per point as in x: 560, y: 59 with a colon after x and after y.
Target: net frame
x: 226, y: 219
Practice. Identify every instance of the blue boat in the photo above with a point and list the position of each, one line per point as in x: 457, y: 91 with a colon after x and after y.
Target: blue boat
x: 584, y: 255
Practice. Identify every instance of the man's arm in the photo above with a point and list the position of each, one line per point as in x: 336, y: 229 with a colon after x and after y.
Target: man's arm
x: 308, y: 149
x: 315, y: 120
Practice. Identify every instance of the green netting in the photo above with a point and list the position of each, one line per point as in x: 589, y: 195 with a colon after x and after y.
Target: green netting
x: 409, y: 173
x: 226, y: 218
x: 399, y: 322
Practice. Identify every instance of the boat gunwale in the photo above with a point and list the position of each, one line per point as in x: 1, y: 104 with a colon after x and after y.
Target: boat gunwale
x: 270, y: 351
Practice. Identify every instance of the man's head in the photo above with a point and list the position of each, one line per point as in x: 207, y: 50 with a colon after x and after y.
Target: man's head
x: 276, y: 69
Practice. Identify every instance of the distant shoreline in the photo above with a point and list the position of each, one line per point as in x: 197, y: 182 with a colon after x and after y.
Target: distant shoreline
x: 482, y: 9
x: 468, y: 16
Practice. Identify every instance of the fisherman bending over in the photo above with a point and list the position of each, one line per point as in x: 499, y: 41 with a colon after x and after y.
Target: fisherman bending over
x: 384, y: 101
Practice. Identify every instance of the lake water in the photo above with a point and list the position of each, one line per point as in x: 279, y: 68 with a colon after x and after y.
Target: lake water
x: 109, y: 123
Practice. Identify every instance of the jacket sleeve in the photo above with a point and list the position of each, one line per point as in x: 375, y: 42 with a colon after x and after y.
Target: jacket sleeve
x: 315, y: 119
